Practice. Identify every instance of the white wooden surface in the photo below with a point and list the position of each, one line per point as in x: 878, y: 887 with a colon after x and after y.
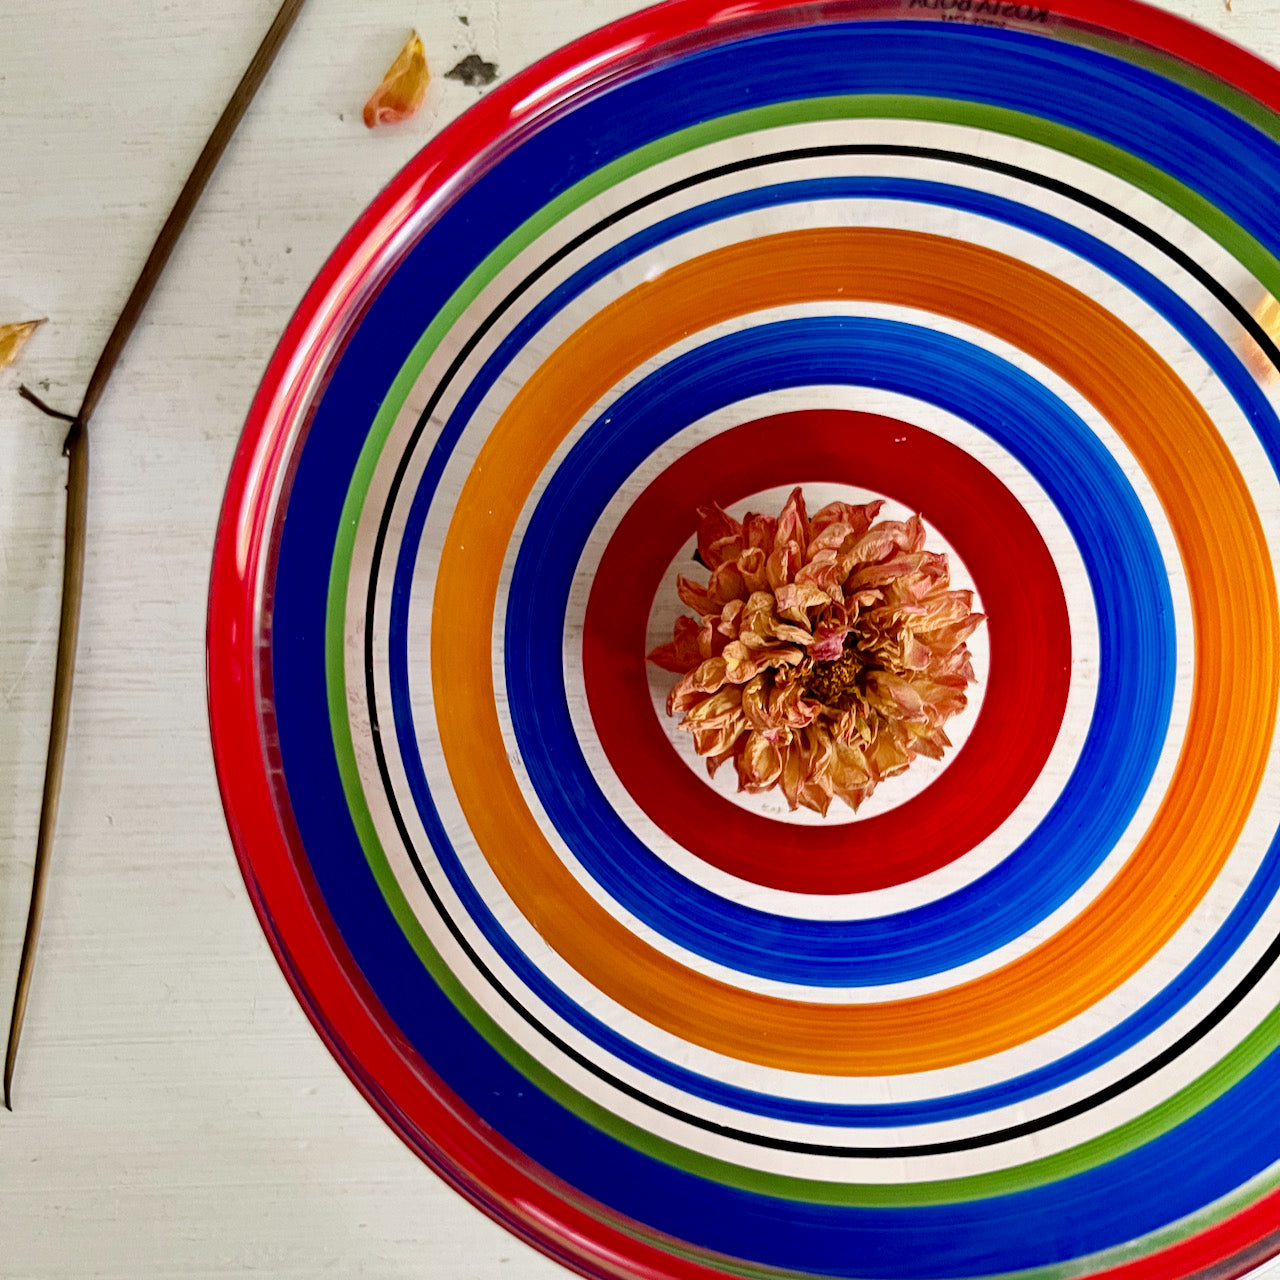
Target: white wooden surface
x: 176, y: 1115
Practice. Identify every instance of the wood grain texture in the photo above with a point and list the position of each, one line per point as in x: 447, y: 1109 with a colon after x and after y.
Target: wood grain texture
x: 177, y: 1117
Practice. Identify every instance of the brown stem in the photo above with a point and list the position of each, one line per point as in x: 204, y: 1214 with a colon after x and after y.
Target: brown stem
x: 76, y: 450
x: 205, y: 164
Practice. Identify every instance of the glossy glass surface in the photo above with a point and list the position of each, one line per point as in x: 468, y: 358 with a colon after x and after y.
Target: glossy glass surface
x: 1005, y: 265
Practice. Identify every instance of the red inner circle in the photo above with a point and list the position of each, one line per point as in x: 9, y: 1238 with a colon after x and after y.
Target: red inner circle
x: 1027, y: 622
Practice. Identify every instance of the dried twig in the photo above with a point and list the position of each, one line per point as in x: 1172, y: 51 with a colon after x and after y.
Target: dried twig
x: 76, y: 450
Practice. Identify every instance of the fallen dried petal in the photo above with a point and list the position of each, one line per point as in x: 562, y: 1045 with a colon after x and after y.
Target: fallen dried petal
x: 403, y: 88
x: 13, y: 337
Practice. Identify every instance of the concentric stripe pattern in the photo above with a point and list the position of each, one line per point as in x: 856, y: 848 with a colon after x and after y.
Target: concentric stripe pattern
x: 1015, y: 1016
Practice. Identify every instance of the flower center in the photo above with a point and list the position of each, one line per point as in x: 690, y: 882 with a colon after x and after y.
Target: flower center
x: 829, y: 682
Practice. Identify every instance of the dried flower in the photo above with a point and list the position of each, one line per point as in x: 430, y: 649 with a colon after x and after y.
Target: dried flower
x: 826, y: 655
x: 13, y: 337
x: 403, y: 88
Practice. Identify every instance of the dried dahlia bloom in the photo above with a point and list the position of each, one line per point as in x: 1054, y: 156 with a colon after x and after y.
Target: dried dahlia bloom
x: 827, y: 653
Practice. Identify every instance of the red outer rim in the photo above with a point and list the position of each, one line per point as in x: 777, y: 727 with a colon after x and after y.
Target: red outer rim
x: 489, y: 1172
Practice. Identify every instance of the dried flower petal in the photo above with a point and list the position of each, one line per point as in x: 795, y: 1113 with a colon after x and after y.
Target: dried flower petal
x: 683, y: 651
x: 827, y: 654
x: 403, y: 88
x: 13, y: 337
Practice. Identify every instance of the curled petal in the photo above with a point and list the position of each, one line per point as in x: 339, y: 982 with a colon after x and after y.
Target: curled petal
x: 793, y: 522
x: 754, y: 704
x: 711, y: 637
x: 403, y: 88
x: 816, y: 751
x: 760, y: 764
x: 739, y: 663
x: 894, y: 696
x: 759, y: 613
x: 760, y: 532
x: 714, y: 761
x: 782, y: 564
x: 721, y: 708
x: 682, y: 651
x: 742, y: 663
x: 932, y: 743
x: 726, y: 584
x: 882, y: 540
x: 707, y: 677
x: 751, y: 564
x: 911, y: 575
x: 788, y: 705
x: 953, y: 636
x: 795, y: 599
x: 826, y: 571
x: 717, y: 739
x: 694, y: 596
x: 828, y: 642
x: 850, y: 773
x: 914, y: 655
x: 817, y: 793
x: 857, y: 518
x: 792, y: 778
x: 719, y: 536
x: 888, y: 755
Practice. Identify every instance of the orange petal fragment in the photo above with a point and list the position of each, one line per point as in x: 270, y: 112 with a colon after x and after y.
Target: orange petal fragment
x: 13, y: 337
x: 403, y: 88
x: 1267, y: 314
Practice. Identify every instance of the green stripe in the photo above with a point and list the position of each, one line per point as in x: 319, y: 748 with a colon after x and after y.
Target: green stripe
x: 1084, y: 1156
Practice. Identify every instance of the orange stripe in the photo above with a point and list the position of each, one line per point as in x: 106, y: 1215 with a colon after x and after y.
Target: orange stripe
x: 1233, y: 605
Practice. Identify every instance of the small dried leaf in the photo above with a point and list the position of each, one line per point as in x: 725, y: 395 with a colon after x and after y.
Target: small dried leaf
x: 403, y: 88
x: 13, y: 337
